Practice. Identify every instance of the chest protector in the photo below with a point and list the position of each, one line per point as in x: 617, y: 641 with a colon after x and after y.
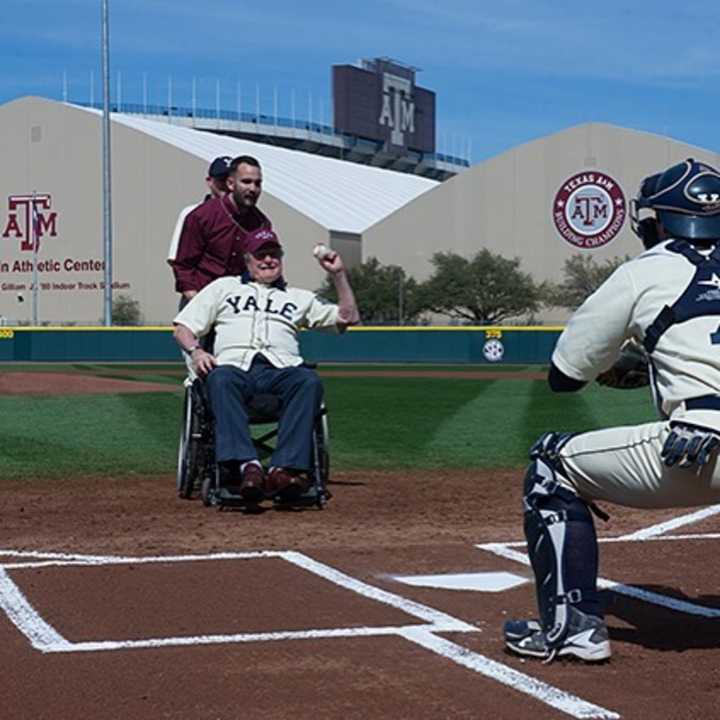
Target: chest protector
x: 701, y: 298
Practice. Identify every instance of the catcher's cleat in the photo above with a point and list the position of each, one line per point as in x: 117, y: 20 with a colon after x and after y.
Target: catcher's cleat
x: 587, y: 639
x: 519, y: 629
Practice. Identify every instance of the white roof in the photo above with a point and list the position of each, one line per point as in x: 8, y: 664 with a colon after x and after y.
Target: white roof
x: 337, y: 194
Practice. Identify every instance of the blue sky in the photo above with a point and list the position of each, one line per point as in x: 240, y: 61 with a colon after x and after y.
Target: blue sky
x: 504, y: 72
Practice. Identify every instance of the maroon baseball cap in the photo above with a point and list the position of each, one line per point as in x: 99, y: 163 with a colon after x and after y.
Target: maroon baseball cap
x: 262, y: 238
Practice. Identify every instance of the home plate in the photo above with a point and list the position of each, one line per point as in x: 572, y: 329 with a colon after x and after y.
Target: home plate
x: 480, y: 582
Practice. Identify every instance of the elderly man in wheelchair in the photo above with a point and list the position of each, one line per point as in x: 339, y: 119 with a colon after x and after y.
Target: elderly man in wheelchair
x: 255, y: 373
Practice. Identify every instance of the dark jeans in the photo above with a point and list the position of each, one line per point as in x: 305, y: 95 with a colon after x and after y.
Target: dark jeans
x: 300, y: 392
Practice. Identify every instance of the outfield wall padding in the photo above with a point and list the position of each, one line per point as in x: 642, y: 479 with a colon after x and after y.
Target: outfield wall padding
x: 477, y: 345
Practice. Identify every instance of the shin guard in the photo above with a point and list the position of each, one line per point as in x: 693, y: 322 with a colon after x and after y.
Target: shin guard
x: 562, y: 546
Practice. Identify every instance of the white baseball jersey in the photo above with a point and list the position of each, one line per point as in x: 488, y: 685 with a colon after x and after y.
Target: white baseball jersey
x: 685, y: 356
x: 251, y: 318
x: 175, y: 240
x: 668, y: 298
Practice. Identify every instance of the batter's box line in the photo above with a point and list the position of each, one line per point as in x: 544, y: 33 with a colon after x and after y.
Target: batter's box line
x: 80, y: 559
x: 504, y: 550
x: 601, y: 540
x: 652, y: 533
x: 45, y: 638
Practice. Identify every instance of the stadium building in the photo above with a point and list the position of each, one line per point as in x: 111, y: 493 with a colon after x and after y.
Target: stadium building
x: 52, y: 161
x: 391, y: 197
x: 542, y: 202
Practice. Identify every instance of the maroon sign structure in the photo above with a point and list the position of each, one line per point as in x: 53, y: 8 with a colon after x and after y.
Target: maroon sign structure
x: 589, y: 210
x: 24, y: 211
x: 380, y: 101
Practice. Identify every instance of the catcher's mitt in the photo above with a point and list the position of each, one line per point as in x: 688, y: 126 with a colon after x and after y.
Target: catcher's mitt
x: 631, y: 369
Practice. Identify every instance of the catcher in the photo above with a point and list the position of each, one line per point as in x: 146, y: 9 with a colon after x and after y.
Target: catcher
x: 666, y: 300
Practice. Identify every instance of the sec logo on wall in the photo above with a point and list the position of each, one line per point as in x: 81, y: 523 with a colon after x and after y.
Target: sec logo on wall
x: 493, y: 351
x: 589, y: 210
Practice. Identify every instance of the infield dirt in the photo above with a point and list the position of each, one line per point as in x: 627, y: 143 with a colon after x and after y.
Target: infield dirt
x: 378, y: 525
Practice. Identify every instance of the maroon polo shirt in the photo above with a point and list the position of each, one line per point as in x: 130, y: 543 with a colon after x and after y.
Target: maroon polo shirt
x: 212, y: 243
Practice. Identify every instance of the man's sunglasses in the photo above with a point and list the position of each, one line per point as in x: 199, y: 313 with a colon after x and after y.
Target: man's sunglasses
x: 261, y: 254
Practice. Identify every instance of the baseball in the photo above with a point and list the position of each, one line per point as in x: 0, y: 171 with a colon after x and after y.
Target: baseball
x: 321, y: 250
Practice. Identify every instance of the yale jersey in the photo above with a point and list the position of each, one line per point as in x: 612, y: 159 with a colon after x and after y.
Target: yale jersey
x: 251, y: 318
x: 668, y: 299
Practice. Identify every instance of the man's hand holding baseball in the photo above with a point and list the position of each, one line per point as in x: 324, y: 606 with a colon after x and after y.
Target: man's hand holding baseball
x: 332, y: 263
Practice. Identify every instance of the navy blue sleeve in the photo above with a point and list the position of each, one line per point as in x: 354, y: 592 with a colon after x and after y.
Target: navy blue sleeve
x: 559, y: 382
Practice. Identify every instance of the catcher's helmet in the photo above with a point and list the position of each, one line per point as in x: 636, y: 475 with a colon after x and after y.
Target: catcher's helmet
x: 686, y: 198
x: 646, y: 228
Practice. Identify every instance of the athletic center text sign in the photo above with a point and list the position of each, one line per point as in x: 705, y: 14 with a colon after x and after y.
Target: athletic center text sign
x: 31, y: 232
x: 380, y: 101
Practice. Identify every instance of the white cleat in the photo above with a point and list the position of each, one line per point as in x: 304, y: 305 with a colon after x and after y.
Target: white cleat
x: 586, y: 639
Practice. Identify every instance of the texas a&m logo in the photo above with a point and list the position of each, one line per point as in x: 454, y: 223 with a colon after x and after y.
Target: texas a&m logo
x: 398, y: 107
x: 29, y: 219
x: 589, y: 209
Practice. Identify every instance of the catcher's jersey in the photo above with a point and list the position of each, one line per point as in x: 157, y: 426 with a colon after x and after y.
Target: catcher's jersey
x: 669, y: 298
x: 251, y: 318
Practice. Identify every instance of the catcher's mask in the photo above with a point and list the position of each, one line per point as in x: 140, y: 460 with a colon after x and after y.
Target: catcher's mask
x: 686, y: 200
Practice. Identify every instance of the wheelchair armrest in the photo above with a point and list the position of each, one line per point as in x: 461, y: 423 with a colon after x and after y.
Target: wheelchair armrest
x: 199, y: 391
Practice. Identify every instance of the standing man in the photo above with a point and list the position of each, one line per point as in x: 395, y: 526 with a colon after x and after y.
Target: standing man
x: 257, y: 318
x: 217, y: 186
x: 212, y: 240
x: 667, y: 299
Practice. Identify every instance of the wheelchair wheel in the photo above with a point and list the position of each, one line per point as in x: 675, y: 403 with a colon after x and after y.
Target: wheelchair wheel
x: 323, y: 444
x: 188, y: 449
x: 321, y: 471
x: 207, y: 491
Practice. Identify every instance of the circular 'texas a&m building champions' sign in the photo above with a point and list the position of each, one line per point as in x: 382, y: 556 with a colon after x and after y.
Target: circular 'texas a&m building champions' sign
x: 589, y: 210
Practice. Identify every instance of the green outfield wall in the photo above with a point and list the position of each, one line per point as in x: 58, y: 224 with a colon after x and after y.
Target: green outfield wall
x: 491, y: 345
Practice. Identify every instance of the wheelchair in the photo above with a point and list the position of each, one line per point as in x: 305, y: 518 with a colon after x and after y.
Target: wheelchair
x: 197, y: 472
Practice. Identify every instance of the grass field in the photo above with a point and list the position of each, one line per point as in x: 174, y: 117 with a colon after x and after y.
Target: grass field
x: 375, y: 422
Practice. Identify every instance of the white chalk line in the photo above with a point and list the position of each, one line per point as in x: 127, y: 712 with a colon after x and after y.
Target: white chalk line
x: 46, y: 639
x: 619, y: 539
x: 665, y: 601
x: 417, y: 610
x: 62, y: 560
x: 25, y: 618
x: 552, y: 696
x: 422, y: 612
x: 28, y: 622
x: 45, y: 555
x: 99, y: 560
x: 651, y: 533
x: 191, y: 640
x: 661, y: 528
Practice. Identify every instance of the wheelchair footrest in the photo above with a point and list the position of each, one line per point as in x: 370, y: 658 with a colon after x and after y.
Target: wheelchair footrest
x: 221, y: 497
x: 311, y: 497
